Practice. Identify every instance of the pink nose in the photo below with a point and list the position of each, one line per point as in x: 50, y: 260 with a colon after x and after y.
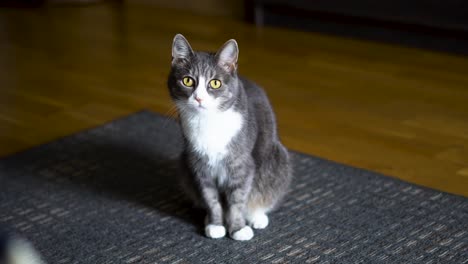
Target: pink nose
x: 198, y: 99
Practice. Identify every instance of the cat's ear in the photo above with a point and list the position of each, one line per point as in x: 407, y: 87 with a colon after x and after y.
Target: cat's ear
x: 181, y: 48
x: 227, y: 55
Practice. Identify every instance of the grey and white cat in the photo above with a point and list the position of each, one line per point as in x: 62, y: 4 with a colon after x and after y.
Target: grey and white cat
x: 238, y: 170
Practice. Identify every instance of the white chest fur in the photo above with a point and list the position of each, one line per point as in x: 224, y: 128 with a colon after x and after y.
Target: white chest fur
x: 211, y: 132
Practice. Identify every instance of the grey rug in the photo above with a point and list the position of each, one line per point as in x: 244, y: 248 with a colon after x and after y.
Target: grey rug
x: 108, y: 195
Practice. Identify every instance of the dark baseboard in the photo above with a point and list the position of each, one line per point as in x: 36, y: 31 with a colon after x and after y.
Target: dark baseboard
x: 412, y: 35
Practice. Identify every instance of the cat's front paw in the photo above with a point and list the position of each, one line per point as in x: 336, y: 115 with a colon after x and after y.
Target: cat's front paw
x: 245, y: 233
x: 215, y: 231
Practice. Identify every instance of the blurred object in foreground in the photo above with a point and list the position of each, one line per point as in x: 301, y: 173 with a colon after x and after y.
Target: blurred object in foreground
x: 16, y: 250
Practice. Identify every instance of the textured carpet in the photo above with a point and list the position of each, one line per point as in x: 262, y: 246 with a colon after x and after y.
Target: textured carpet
x: 108, y: 195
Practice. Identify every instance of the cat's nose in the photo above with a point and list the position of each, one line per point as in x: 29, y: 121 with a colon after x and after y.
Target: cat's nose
x: 199, y: 100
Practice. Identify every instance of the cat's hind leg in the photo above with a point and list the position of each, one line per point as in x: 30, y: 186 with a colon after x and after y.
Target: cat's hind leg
x: 257, y: 218
x: 270, y: 185
x: 257, y: 209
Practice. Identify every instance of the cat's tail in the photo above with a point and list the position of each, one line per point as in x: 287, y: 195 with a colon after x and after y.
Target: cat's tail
x: 16, y: 250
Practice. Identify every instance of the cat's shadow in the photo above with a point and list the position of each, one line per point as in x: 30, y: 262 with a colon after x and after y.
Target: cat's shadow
x: 129, y: 173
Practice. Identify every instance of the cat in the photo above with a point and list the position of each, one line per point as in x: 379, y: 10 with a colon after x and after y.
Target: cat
x: 237, y: 168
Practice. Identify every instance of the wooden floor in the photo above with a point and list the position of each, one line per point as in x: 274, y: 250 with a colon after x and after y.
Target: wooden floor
x: 394, y: 110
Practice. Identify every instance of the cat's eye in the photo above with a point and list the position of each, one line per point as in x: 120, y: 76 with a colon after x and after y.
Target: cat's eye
x: 188, y: 81
x: 215, y: 84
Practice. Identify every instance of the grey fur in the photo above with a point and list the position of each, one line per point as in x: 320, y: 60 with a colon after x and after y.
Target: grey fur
x: 257, y: 164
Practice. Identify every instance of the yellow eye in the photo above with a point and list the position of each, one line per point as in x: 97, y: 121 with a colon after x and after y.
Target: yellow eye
x: 188, y: 81
x: 215, y: 84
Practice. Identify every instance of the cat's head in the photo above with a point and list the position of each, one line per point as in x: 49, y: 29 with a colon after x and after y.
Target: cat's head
x: 201, y: 81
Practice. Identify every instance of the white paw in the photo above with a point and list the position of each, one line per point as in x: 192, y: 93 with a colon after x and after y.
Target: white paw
x: 260, y: 221
x: 215, y: 231
x: 245, y: 233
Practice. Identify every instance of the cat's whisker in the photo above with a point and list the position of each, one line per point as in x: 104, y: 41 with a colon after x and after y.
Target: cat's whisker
x: 170, y: 114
